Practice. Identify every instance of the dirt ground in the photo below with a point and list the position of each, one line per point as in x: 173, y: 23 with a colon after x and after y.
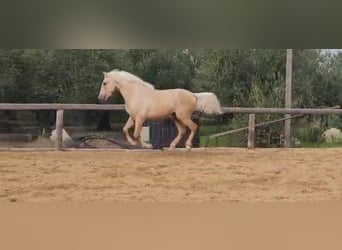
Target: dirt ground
x: 200, y: 175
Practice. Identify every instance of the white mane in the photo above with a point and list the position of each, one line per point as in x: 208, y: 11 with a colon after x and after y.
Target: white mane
x: 130, y: 77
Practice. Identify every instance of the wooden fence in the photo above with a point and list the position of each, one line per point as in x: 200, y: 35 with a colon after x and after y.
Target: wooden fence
x: 60, y: 108
x: 251, y: 125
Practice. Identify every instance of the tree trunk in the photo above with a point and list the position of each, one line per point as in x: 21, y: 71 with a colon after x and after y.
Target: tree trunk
x: 269, y: 136
x: 309, y: 121
x: 322, y: 127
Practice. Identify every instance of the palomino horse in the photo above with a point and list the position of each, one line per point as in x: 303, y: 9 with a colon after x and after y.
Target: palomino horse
x: 144, y: 102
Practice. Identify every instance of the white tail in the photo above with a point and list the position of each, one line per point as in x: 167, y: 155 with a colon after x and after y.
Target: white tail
x: 208, y: 103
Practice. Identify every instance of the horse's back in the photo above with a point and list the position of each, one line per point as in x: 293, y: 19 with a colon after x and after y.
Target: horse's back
x: 176, y: 92
x: 182, y: 100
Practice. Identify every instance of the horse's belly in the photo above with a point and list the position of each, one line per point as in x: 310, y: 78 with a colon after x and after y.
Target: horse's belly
x: 127, y: 109
x: 160, y: 117
x: 159, y: 112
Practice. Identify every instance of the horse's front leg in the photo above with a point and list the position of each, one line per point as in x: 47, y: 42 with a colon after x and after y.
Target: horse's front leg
x: 139, y: 122
x: 129, y: 124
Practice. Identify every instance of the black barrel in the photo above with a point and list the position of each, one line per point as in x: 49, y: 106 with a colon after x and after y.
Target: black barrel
x: 163, y: 132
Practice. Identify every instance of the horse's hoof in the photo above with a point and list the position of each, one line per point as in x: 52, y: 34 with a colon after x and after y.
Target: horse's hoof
x: 172, y: 147
x: 148, y: 146
x: 134, y: 143
x: 188, y: 147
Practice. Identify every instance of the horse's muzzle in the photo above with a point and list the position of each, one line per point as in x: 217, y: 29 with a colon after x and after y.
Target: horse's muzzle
x: 102, y: 98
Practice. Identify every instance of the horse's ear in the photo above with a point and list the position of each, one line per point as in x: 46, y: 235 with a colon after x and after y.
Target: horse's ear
x: 104, y: 73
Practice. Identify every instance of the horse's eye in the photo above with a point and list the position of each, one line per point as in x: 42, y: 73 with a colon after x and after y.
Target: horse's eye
x: 104, y: 83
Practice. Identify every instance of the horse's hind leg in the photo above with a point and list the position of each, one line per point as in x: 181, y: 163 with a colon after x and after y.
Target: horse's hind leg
x: 181, y: 131
x: 129, y: 124
x: 193, y: 128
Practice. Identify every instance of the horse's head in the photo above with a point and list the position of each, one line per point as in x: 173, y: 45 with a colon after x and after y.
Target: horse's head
x: 108, y: 87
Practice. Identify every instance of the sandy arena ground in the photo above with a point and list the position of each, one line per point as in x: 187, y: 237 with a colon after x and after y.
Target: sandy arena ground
x: 206, y: 175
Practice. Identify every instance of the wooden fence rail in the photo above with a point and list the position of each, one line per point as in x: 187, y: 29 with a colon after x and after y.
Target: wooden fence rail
x: 292, y: 111
x: 60, y: 108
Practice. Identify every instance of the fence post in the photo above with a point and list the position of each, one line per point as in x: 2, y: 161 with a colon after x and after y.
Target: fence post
x: 59, y: 129
x: 251, y: 131
x: 288, y: 100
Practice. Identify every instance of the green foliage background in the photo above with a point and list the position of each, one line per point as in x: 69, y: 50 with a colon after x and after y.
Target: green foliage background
x: 239, y: 77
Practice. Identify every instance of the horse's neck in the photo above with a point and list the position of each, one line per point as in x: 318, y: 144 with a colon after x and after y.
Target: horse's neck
x: 128, y: 92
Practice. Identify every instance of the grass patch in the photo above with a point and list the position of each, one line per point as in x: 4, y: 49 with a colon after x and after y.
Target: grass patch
x: 233, y: 140
x: 320, y: 145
